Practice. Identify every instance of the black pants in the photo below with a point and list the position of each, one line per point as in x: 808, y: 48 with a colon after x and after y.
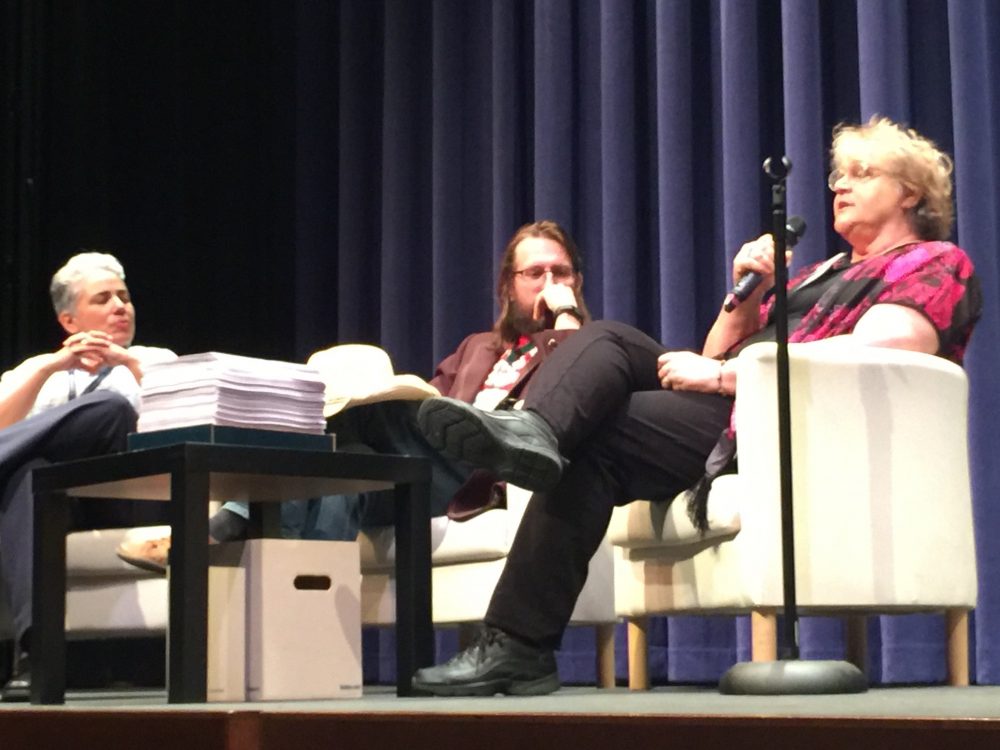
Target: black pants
x: 626, y: 438
x: 91, y: 425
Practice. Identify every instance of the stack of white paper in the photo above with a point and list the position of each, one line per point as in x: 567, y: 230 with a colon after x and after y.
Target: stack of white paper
x: 234, y: 391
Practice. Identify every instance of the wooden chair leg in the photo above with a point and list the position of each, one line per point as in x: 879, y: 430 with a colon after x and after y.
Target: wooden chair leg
x: 763, y: 635
x: 856, y: 627
x: 957, y: 633
x: 638, y: 653
x: 605, y: 641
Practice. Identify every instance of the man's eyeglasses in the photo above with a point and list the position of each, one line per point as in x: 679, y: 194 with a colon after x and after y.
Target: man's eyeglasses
x: 857, y: 172
x: 535, y: 273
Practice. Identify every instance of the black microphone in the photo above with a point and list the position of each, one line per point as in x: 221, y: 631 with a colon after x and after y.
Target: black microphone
x: 794, y: 229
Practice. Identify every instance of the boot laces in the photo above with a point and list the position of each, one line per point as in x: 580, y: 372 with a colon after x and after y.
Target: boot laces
x: 481, y: 643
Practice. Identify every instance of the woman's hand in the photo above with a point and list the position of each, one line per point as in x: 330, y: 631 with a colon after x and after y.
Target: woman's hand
x: 756, y: 256
x: 687, y: 371
x: 84, y: 350
x: 91, y: 351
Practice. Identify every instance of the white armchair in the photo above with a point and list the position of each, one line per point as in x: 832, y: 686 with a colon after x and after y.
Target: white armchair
x: 108, y: 597
x: 882, y: 505
x: 466, y: 560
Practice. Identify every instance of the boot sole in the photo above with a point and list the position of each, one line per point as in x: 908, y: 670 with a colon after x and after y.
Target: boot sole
x: 541, y: 686
x: 460, y: 431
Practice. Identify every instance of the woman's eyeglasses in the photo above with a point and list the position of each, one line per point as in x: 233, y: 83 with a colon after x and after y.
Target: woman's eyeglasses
x: 857, y: 172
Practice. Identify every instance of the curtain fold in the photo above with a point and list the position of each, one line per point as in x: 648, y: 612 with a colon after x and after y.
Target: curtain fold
x: 553, y: 157
x: 807, y: 138
x: 461, y: 174
x: 427, y: 131
x: 975, y: 59
x: 620, y: 172
x: 357, y: 188
x: 883, y: 59
x: 677, y: 168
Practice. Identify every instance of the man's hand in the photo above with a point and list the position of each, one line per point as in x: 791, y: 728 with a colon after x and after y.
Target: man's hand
x: 551, y: 298
x: 687, y: 371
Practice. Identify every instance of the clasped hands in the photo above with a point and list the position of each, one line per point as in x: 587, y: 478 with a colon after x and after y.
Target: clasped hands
x: 90, y: 351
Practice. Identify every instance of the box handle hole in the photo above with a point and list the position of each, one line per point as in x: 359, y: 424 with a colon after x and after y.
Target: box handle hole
x: 313, y: 583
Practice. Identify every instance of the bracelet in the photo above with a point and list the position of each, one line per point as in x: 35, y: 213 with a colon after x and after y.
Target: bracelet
x: 722, y: 363
x: 569, y: 310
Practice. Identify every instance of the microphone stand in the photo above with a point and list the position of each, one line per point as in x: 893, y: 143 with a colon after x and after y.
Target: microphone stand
x: 789, y: 675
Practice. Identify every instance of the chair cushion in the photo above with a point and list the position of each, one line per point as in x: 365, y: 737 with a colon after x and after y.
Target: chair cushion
x: 643, y: 523
x: 118, y: 606
x: 485, y: 537
x: 91, y: 554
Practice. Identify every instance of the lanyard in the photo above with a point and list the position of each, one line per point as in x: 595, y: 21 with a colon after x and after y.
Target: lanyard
x: 90, y: 386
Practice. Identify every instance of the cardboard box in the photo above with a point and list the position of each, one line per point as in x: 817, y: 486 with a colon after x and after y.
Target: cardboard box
x: 226, y: 661
x: 301, y: 621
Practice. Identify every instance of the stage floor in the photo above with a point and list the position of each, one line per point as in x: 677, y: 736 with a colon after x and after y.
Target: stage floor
x: 892, y: 702
x: 577, y: 717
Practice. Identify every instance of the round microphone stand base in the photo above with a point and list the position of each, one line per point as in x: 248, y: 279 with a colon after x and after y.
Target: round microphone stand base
x: 793, y: 677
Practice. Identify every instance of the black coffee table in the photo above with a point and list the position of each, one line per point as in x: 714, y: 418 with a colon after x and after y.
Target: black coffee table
x: 188, y: 476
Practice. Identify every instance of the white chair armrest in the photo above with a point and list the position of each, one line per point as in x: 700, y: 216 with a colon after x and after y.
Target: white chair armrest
x: 880, y: 473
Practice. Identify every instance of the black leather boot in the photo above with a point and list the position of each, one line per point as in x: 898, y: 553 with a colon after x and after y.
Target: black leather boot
x: 495, y: 662
x: 18, y: 688
x: 517, y: 446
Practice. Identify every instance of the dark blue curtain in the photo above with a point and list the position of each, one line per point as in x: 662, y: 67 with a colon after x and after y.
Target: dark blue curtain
x: 428, y: 130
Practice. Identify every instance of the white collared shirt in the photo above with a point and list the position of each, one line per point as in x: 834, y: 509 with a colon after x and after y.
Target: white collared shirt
x: 66, y: 384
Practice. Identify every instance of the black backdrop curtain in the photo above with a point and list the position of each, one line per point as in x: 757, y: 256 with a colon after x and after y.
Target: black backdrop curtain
x: 281, y: 176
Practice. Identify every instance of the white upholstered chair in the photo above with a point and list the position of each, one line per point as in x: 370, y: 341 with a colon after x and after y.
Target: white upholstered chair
x: 466, y: 560
x: 108, y: 597
x: 105, y: 597
x: 882, y: 505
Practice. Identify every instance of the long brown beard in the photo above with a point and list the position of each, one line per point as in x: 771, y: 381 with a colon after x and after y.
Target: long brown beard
x: 526, y: 325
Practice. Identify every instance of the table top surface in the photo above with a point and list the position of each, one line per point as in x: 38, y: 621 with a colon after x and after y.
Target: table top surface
x: 234, y: 472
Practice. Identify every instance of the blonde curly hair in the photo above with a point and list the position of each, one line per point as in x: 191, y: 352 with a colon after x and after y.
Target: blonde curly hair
x: 913, y: 160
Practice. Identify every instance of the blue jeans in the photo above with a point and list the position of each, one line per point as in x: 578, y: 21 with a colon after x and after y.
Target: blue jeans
x: 383, y: 427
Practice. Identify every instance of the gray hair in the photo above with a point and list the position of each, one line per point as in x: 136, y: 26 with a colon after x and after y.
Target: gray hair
x: 66, y: 281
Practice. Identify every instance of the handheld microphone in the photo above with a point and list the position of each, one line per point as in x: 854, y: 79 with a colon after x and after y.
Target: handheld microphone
x: 794, y: 229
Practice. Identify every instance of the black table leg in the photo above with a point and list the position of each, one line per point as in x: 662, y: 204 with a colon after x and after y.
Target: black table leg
x: 414, y: 629
x: 187, y: 647
x: 48, y: 598
x: 264, y: 521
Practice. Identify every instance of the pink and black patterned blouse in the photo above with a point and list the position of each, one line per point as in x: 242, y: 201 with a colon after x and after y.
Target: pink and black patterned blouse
x: 934, y: 278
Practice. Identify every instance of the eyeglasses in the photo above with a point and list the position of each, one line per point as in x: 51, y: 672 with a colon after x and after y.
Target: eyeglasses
x: 534, y: 273
x: 857, y: 172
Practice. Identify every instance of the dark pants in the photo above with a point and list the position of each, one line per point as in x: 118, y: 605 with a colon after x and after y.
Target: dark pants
x: 91, y: 425
x: 626, y: 438
x: 382, y: 427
